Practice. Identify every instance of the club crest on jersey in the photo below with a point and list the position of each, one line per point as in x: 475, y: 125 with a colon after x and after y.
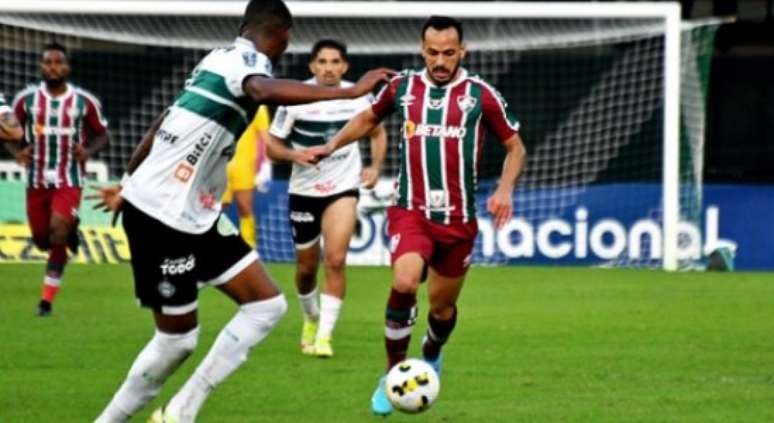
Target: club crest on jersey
x: 250, y: 58
x: 407, y: 100
x: 466, y: 103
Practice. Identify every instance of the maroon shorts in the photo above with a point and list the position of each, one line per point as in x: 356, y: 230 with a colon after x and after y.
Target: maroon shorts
x: 445, y: 248
x: 42, y: 202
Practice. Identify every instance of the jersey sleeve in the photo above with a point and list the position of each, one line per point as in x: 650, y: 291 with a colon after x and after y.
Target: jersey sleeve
x: 94, y: 119
x: 246, y: 63
x: 283, y: 123
x: 18, y: 109
x: 384, y: 104
x: 4, y: 107
x: 497, y: 116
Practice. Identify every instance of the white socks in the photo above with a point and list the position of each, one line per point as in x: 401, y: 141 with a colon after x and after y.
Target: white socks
x: 309, y: 305
x: 330, y: 307
x: 159, y: 359
x: 249, y: 326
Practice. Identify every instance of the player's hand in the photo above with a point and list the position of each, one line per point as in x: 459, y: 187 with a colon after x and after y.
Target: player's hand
x: 304, y: 158
x: 319, y: 152
x: 500, y: 205
x: 24, y: 156
x: 108, y: 199
x: 371, y: 79
x: 81, y: 154
x: 369, y: 176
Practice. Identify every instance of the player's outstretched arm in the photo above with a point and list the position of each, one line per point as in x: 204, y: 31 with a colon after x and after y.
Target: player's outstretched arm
x: 500, y: 204
x: 277, y: 151
x: 370, y: 175
x: 288, y: 92
x: 357, y: 127
x: 10, y: 129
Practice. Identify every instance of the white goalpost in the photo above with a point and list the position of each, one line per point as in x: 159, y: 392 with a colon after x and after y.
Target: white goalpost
x: 509, y: 35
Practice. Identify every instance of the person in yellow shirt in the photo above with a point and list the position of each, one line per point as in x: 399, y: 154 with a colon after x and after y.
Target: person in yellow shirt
x: 247, y: 170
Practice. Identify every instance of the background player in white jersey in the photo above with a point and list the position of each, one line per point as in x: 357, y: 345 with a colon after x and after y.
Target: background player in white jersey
x: 323, y: 198
x: 10, y: 130
x: 177, y: 235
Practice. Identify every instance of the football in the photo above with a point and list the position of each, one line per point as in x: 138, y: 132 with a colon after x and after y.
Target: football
x: 412, y: 385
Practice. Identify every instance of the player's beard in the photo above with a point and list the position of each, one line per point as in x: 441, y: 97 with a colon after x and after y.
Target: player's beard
x: 54, y: 83
x: 452, y: 75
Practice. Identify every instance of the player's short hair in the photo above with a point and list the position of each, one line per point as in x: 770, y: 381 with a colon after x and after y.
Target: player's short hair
x: 267, y: 15
x: 440, y: 23
x: 329, y: 43
x: 54, y: 46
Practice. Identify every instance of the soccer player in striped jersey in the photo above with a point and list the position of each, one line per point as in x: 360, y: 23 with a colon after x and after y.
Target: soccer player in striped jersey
x: 63, y: 128
x: 172, y: 216
x: 10, y: 129
x: 243, y: 172
x: 432, y: 225
x: 323, y: 199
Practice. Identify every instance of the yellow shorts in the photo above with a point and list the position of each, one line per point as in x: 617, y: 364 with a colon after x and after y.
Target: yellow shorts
x: 240, y: 172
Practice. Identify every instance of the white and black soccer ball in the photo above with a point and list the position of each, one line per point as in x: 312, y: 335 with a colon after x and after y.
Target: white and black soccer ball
x: 412, y: 385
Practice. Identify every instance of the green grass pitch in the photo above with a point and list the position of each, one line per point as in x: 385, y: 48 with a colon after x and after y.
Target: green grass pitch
x: 531, y: 345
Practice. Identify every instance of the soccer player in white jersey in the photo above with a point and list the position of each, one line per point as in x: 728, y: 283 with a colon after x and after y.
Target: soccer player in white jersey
x: 171, y: 215
x: 10, y: 129
x: 323, y: 198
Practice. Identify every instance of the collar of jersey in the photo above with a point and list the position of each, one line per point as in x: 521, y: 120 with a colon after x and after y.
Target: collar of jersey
x: 463, y: 74
x: 245, y: 42
x: 46, y: 94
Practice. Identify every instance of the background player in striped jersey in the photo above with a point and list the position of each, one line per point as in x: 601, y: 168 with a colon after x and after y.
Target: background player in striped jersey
x: 432, y: 226
x: 243, y: 172
x: 172, y: 216
x: 10, y: 129
x: 323, y: 198
x: 63, y: 127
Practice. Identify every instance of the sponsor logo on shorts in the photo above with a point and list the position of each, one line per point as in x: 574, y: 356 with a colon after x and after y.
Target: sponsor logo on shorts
x: 166, y: 289
x: 394, y: 241
x: 301, y: 217
x: 177, y: 266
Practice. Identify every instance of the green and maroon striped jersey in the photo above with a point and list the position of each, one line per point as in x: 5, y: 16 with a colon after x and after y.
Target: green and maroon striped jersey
x: 53, y: 126
x: 443, y: 133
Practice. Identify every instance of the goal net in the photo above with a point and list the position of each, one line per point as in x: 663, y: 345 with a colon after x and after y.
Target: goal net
x: 592, y: 93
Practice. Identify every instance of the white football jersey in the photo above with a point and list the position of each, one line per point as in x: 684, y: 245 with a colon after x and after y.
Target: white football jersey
x: 313, y: 124
x: 183, y: 178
